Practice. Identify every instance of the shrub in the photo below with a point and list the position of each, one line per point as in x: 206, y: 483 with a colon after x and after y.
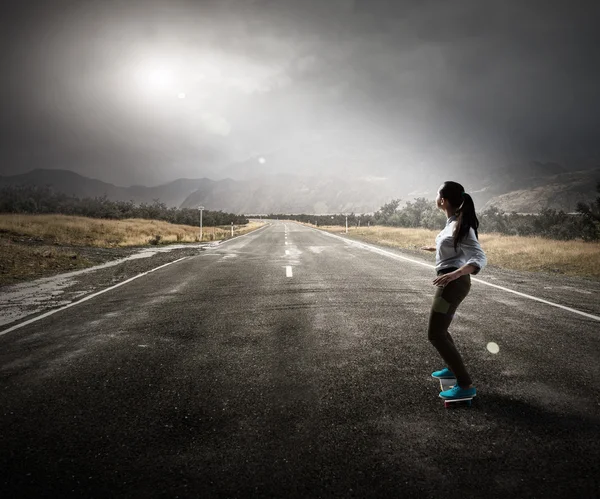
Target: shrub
x: 155, y: 240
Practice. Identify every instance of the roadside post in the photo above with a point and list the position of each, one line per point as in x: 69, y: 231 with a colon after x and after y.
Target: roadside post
x: 200, y: 208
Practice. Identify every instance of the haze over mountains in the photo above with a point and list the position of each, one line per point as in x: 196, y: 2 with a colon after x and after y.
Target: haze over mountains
x: 312, y: 106
x: 258, y: 189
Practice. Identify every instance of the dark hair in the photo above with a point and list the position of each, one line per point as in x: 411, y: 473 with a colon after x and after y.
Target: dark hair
x: 455, y: 194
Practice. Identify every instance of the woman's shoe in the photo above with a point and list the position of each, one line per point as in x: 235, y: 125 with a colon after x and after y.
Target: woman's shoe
x: 443, y: 374
x: 456, y: 392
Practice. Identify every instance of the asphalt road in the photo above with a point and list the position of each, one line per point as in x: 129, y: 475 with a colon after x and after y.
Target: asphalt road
x: 265, y: 369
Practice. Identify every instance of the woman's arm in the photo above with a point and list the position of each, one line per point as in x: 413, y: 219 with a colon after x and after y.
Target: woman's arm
x: 476, y: 260
x: 475, y: 255
x: 467, y: 268
x: 444, y: 279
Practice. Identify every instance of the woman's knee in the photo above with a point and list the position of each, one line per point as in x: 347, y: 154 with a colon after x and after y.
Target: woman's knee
x: 438, y: 327
x: 436, y: 330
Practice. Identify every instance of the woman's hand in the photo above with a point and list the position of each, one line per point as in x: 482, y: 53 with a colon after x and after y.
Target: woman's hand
x: 444, y: 279
x: 428, y: 248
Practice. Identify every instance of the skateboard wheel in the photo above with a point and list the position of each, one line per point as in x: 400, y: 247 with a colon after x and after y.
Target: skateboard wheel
x: 446, y: 404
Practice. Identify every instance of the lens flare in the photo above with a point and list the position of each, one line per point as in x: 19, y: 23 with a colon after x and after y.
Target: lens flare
x: 493, y: 347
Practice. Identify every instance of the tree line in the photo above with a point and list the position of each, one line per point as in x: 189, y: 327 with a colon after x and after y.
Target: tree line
x: 552, y: 224
x: 44, y: 200
x: 421, y: 212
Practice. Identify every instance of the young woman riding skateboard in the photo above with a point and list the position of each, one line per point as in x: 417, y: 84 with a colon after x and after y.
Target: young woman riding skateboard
x: 457, y: 255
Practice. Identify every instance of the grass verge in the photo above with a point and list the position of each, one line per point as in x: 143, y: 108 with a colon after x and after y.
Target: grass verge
x: 101, y: 233
x: 33, y: 246
x: 576, y: 258
x: 20, y: 262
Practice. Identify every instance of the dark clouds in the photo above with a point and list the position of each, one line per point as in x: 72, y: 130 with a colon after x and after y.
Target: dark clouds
x: 421, y: 83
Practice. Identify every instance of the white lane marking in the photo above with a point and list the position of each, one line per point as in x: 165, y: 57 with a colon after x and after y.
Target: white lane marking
x: 287, y: 252
x: 286, y: 243
x: 52, y: 312
x: 400, y: 257
x: 236, y: 237
x: 541, y: 300
x: 288, y: 271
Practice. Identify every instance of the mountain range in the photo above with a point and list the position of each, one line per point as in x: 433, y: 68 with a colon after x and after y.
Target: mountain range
x: 525, y: 188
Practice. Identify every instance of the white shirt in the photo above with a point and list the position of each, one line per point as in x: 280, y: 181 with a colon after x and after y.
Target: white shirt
x: 468, y: 250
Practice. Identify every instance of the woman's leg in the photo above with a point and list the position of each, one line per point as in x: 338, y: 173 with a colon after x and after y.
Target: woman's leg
x: 444, y: 306
x: 450, y: 339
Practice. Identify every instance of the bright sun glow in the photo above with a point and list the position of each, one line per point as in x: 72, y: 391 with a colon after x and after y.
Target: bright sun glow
x: 159, y: 78
x: 154, y: 77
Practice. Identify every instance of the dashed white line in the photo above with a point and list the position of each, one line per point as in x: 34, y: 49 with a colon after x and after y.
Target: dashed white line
x: 288, y: 271
x: 287, y: 252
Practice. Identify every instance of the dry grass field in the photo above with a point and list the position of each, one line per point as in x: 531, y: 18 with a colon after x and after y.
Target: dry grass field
x: 575, y: 258
x: 101, y: 233
x: 33, y: 246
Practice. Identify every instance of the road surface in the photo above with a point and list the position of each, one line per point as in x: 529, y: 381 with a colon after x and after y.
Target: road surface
x: 291, y: 363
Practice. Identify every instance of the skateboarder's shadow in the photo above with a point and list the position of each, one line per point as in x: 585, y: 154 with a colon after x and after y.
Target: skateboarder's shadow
x: 537, y: 419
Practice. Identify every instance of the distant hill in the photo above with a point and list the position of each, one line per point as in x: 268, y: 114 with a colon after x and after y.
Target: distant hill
x: 172, y: 194
x: 294, y: 194
x: 68, y: 182
x: 523, y: 188
x: 557, y: 192
x: 265, y: 194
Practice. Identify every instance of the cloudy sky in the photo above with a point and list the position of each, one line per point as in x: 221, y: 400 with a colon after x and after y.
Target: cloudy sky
x: 142, y: 92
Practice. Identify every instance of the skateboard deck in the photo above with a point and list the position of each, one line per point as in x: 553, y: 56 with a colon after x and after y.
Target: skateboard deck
x: 445, y: 384
x: 449, y: 402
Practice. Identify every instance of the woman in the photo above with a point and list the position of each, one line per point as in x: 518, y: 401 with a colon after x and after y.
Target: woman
x: 458, y: 254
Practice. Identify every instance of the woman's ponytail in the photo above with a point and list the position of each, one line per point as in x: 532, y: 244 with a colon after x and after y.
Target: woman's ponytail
x: 465, y: 219
x: 455, y: 194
